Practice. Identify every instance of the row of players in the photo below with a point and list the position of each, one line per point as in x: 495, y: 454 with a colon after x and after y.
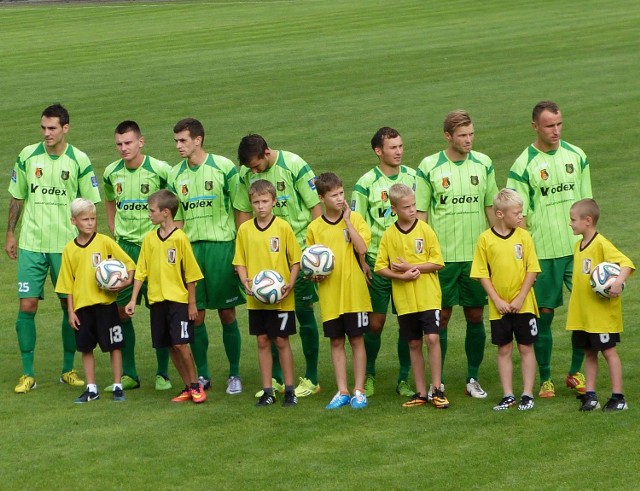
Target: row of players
x: 454, y: 191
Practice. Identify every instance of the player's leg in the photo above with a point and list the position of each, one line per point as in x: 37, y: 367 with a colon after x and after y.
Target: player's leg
x: 525, y: 329
x: 200, y: 347
x: 265, y: 360
x: 505, y: 367
x: 448, y: 277
x: 306, y: 295
x: 617, y: 401
x: 339, y: 361
x: 528, y: 367
x: 574, y: 379
x: 359, y: 359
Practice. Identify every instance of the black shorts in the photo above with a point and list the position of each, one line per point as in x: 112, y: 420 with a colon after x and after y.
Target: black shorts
x: 99, y: 325
x: 273, y: 323
x: 350, y: 324
x: 524, y: 327
x: 170, y: 324
x: 594, y: 341
x: 414, y: 326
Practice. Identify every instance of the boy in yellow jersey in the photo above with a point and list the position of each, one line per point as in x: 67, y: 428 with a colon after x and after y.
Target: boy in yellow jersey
x: 410, y: 256
x: 506, y: 264
x: 93, y: 312
x: 167, y: 262
x: 596, y: 322
x: 344, y: 297
x: 268, y: 242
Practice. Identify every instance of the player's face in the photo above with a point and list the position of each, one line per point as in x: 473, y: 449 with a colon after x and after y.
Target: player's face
x: 334, y: 199
x: 578, y: 224
x: 186, y: 145
x: 405, y: 208
x: 262, y: 204
x: 391, y: 152
x: 155, y: 214
x: 512, y: 216
x: 548, y: 127
x: 53, y: 132
x: 129, y: 145
x: 461, y: 141
x: 258, y: 164
x: 85, y: 222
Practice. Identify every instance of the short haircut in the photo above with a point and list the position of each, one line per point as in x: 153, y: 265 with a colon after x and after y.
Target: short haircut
x: 455, y: 119
x: 399, y: 191
x: 193, y: 126
x: 127, y: 126
x: 587, y: 208
x: 384, y: 133
x: 82, y: 205
x: 57, y: 111
x: 165, y: 199
x: 250, y: 147
x: 327, y: 181
x: 262, y: 186
x: 505, y: 199
x: 544, y: 106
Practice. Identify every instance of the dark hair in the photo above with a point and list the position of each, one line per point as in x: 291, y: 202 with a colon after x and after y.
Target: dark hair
x: 544, y: 106
x: 381, y: 135
x: 193, y: 126
x: 127, y: 126
x: 57, y: 111
x: 165, y: 199
x: 250, y: 147
x: 327, y: 181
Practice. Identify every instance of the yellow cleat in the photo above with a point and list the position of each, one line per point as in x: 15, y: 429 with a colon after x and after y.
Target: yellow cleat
x: 71, y: 377
x: 547, y: 390
x: 25, y: 384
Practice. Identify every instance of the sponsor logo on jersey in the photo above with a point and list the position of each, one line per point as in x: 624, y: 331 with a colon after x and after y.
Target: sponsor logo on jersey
x: 280, y: 185
x: 458, y: 200
x: 558, y: 189
x: 586, y: 266
x: 144, y: 188
x: 419, y: 246
x: 446, y: 182
x: 38, y: 172
x: 96, y: 258
x: 203, y: 202
x: 48, y: 190
x: 94, y: 181
x: 274, y: 244
x: 568, y: 168
x: 171, y: 256
x: 14, y: 176
x: 118, y: 188
x: 475, y: 180
x: 132, y: 205
x: 384, y: 196
x: 544, y: 175
x: 385, y: 212
x: 518, y: 250
x: 312, y: 184
x: 208, y: 185
x: 64, y: 175
x: 282, y: 201
x: 184, y: 190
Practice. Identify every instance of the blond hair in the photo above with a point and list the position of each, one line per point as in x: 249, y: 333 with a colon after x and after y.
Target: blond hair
x: 399, y: 191
x: 82, y: 205
x: 505, y: 199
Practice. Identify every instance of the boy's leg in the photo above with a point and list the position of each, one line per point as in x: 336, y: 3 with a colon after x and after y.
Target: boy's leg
x: 339, y: 360
x: 435, y: 358
x: 528, y: 367
x: 591, y: 369
x: 183, y: 360
x: 265, y: 359
x: 505, y: 368
x: 116, y: 365
x: 286, y: 359
x: 359, y: 355
x: 615, y: 369
x: 417, y: 363
x: 88, y: 364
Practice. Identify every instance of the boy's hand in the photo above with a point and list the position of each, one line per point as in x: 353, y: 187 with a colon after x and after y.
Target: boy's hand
x: 368, y: 275
x: 316, y: 278
x: 74, y: 322
x: 130, y: 308
x: 193, y: 311
x: 411, y: 274
x: 503, y: 306
x: 286, y: 289
x: 400, y: 266
x: 616, y: 288
x: 247, y: 287
x: 121, y: 284
x: 346, y: 211
x: 516, y: 305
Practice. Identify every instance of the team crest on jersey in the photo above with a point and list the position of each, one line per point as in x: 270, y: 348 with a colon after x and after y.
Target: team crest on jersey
x: 144, y: 188
x: 384, y: 196
x: 171, y: 256
x: 312, y: 183
x: 64, y: 175
x: 96, y: 259
x: 184, y: 190
x: 446, y: 182
x: 544, y: 175
x: 586, y: 266
x: 568, y: 168
x: 274, y: 244
x: 518, y: 250
x: 347, y: 236
x: 419, y: 245
x: 475, y: 180
x: 280, y: 185
x: 38, y: 171
x: 118, y: 188
x: 208, y: 185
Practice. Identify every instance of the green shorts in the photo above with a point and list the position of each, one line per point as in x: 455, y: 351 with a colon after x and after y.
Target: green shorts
x: 458, y: 288
x: 220, y: 288
x: 305, y: 292
x: 124, y: 295
x: 379, y: 291
x: 548, y: 285
x: 32, y: 272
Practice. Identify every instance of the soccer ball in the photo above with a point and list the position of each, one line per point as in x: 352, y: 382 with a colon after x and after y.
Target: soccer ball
x: 317, y: 260
x: 110, y: 272
x: 267, y: 286
x: 602, y: 276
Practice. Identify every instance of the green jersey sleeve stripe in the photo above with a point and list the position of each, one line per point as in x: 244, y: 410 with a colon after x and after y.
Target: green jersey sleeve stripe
x: 87, y: 170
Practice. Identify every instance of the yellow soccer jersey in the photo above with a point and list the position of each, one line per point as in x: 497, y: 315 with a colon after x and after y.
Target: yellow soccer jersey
x: 587, y: 311
x: 273, y: 247
x: 78, y: 271
x: 417, y: 245
x: 506, y: 260
x: 168, y: 265
x: 345, y: 289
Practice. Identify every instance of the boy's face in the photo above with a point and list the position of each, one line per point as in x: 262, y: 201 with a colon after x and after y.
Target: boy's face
x: 405, y: 208
x: 85, y: 222
x: 579, y: 224
x: 334, y: 200
x: 512, y: 216
x: 262, y: 205
x: 156, y: 215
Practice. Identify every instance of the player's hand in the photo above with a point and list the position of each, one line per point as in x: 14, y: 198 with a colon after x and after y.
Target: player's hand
x: 400, y: 266
x: 516, y: 305
x: 346, y: 211
x: 247, y: 287
x: 193, y: 311
x: 11, y: 246
x: 368, y: 275
x: 616, y: 288
x: 503, y: 306
x: 74, y: 322
x: 121, y: 284
x: 316, y: 278
x: 130, y: 308
x: 286, y: 290
x: 411, y: 274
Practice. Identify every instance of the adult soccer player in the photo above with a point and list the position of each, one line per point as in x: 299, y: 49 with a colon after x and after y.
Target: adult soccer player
x: 297, y: 202
x: 46, y: 177
x: 454, y: 192
x: 370, y: 198
x: 206, y: 186
x: 550, y: 175
x: 128, y: 183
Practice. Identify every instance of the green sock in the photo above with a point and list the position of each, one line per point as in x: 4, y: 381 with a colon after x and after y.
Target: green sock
x: 543, y: 345
x: 276, y: 371
x: 162, y: 358
x: 68, y: 342
x: 372, y: 343
x: 405, y: 360
x: 200, y: 349
x: 128, y: 351
x: 577, y: 357
x: 474, y: 347
x: 232, y: 346
x: 26, y: 330
x: 443, y: 349
x: 310, y: 341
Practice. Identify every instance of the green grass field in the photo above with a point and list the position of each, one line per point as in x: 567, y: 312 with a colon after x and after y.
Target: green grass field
x: 319, y: 78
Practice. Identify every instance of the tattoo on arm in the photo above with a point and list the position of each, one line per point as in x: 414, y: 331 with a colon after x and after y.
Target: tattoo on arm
x: 15, y: 208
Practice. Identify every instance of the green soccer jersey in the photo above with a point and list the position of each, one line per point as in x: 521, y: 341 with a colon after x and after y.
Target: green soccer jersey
x: 455, y: 195
x: 47, y: 185
x: 206, y: 193
x: 370, y: 198
x: 295, y: 191
x: 130, y: 189
x: 549, y: 183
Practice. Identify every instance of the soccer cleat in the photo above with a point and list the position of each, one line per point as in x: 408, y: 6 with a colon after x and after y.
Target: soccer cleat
x: 473, y: 389
x: 359, y: 400
x: 526, y: 403
x: 615, y: 405
x: 589, y: 402
x: 369, y: 385
x: 338, y: 400
x: 438, y: 399
x: 71, y: 377
x: 26, y: 383
x: 198, y: 395
x: 276, y: 388
x: 290, y: 399
x: 118, y: 395
x: 204, y: 382
x: 266, y: 400
x: 505, y: 403
x: 128, y: 383
x: 416, y: 400
x: 234, y: 385
x: 87, y: 396
x: 547, y: 389
x: 404, y: 389
x: 577, y: 382
x: 183, y: 396
x: 163, y: 383
x: 306, y: 388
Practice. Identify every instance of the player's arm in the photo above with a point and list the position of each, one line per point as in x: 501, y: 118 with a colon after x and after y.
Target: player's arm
x: 110, y: 206
x: 316, y: 211
x: 192, y: 308
x: 422, y: 215
x: 616, y: 287
x: 74, y: 322
x: 130, y: 308
x: 527, y: 284
x: 502, y: 305
x: 409, y: 275
x: 242, y: 216
x: 242, y: 274
x: 15, y: 209
x: 491, y: 216
x: 358, y: 242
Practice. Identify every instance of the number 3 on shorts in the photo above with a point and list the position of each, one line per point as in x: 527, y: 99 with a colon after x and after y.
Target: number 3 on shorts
x: 534, y: 327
